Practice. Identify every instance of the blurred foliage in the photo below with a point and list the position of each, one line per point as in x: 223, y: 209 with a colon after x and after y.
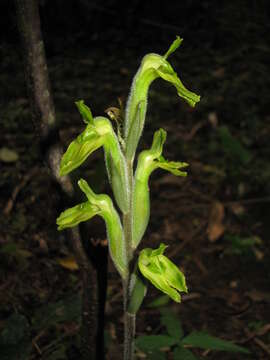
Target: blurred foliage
x: 154, y: 346
x: 15, y: 340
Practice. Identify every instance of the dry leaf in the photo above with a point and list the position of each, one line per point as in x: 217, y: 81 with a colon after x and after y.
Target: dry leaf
x: 237, y: 209
x: 213, y: 119
x: 258, y: 296
x: 69, y: 263
x: 7, y: 155
x: 216, y: 227
x: 219, y: 73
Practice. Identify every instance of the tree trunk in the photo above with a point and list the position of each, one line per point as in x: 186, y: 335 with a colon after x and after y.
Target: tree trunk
x: 43, y: 116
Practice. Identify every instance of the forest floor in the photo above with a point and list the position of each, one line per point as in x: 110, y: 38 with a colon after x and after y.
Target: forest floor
x: 215, y: 221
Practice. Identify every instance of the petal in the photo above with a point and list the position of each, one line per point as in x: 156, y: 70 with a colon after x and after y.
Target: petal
x: 174, y: 46
x: 172, y: 166
x: 93, y: 137
x: 75, y: 215
x: 167, y: 73
x: 173, y: 275
x: 79, y: 150
x: 85, y: 112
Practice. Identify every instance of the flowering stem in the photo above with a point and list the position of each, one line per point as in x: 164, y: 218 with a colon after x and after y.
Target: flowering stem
x: 129, y: 319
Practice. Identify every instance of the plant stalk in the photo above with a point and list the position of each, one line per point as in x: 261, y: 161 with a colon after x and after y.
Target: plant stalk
x: 129, y: 319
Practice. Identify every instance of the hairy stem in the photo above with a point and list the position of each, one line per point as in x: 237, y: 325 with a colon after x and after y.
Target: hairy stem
x: 129, y: 319
x: 129, y: 325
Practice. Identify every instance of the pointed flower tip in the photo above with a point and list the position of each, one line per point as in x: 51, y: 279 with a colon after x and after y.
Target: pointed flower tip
x: 81, y: 181
x: 83, y: 185
x: 193, y: 100
x: 84, y: 111
x: 174, y: 46
x: 78, y: 102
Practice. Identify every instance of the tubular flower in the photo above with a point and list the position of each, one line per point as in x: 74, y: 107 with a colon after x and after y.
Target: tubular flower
x: 148, y: 161
x: 152, y: 67
x: 99, y: 205
x: 98, y: 133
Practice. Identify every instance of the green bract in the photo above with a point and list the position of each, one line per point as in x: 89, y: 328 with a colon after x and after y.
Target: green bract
x: 162, y: 273
x: 148, y: 161
x: 152, y: 67
x: 99, y: 205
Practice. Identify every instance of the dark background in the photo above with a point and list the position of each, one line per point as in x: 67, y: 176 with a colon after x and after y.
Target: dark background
x: 93, y: 51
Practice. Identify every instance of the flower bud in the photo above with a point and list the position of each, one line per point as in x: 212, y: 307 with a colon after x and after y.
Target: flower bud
x: 162, y: 272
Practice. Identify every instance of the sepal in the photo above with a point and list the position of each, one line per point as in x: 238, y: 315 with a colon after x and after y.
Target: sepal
x: 85, y: 112
x: 167, y: 73
x: 173, y: 47
x: 172, y: 166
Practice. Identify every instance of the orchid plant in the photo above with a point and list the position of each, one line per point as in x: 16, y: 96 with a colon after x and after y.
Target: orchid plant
x: 130, y: 189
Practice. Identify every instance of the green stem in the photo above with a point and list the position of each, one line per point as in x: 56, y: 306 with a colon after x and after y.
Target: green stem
x: 129, y: 326
x: 129, y: 319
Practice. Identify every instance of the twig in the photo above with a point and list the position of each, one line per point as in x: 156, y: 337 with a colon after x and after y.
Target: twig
x: 36, y: 347
x: 251, y: 335
x: 262, y: 345
x: 11, y: 201
x: 194, y: 130
x: 228, y: 203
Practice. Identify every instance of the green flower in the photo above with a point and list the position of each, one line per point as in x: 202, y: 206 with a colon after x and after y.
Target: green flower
x: 162, y: 273
x: 99, y: 204
x: 148, y: 161
x: 99, y: 133
x: 93, y: 137
x: 152, y: 67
